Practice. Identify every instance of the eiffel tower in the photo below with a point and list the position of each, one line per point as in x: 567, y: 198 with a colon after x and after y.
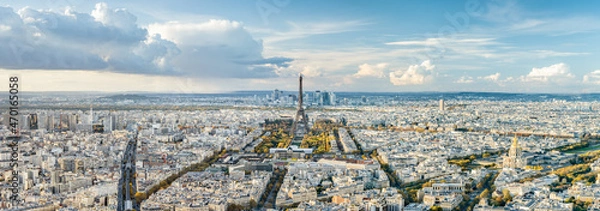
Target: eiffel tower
x: 300, y: 125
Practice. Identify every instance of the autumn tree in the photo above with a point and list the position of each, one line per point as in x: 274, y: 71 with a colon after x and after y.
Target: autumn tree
x: 140, y: 196
x: 506, y: 197
x: 436, y: 208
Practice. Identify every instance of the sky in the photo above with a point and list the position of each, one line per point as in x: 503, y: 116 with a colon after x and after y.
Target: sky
x: 210, y: 46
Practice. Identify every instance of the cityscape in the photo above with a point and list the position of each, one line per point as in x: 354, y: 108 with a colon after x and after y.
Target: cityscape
x: 313, y: 150
x: 286, y: 105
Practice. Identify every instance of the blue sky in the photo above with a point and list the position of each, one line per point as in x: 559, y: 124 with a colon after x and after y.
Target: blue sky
x: 216, y: 46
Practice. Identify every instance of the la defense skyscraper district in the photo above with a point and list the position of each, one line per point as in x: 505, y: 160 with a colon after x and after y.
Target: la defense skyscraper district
x: 300, y: 125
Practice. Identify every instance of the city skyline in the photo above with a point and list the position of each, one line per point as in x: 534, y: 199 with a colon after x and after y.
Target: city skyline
x: 224, y: 46
x: 262, y: 105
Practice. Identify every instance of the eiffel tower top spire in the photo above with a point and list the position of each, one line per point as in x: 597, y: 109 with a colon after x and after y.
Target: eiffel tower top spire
x: 300, y: 93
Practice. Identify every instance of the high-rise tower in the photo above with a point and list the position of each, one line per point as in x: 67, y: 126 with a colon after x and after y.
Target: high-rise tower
x: 300, y: 125
x: 91, y: 116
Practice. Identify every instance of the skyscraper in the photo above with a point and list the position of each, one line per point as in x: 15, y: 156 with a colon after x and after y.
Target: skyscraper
x: 91, y: 116
x: 50, y: 123
x: 33, y: 121
x: 276, y: 94
x: 24, y: 122
x: 109, y: 123
x: 324, y: 98
x: 73, y: 119
x: 317, y: 97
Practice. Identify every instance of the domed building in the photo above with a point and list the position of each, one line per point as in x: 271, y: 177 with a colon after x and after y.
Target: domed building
x: 515, y: 158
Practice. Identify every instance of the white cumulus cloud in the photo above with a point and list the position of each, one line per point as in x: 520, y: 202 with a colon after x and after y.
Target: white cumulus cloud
x: 367, y: 70
x: 464, y: 80
x: 592, y: 78
x: 493, y: 77
x: 218, y: 48
x: 414, y: 75
x: 108, y: 39
x: 554, y: 73
x: 311, y: 71
x: 105, y: 39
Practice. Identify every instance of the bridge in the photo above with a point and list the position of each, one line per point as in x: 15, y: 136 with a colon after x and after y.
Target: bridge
x: 127, y: 182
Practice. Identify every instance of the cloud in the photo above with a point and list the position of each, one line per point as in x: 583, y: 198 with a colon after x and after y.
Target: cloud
x: 278, y: 61
x: 592, y: 78
x: 467, y: 47
x: 118, y: 18
x: 106, y: 39
x: 439, y: 47
x: 549, y: 53
x: 303, y: 30
x: 414, y: 75
x: 556, y: 26
x: 527, y: 24
x: 311, y: 71
x: 367, y: 70
x: 219, y: 48
x: 464, y: 80
x: 555, y: 73
x: 439, y: 41
x: 493, y: 77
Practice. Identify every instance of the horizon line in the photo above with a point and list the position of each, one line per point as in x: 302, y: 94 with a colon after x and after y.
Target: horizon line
x: 370, y: 92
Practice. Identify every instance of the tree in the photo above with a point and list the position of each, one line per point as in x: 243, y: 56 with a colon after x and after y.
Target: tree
x: 466, y: 197
x: 484, y: 194
x: 163, y: 184
x: 253, y: 203
x: 480, y: 185
x: 235, y: 207
x: 140, y: 196
x: 506, y: 195
x: 436, y: 208
x: 427, y: 184
x: 468, y: 187
x: 498, y: 201
x: 570, y: 200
